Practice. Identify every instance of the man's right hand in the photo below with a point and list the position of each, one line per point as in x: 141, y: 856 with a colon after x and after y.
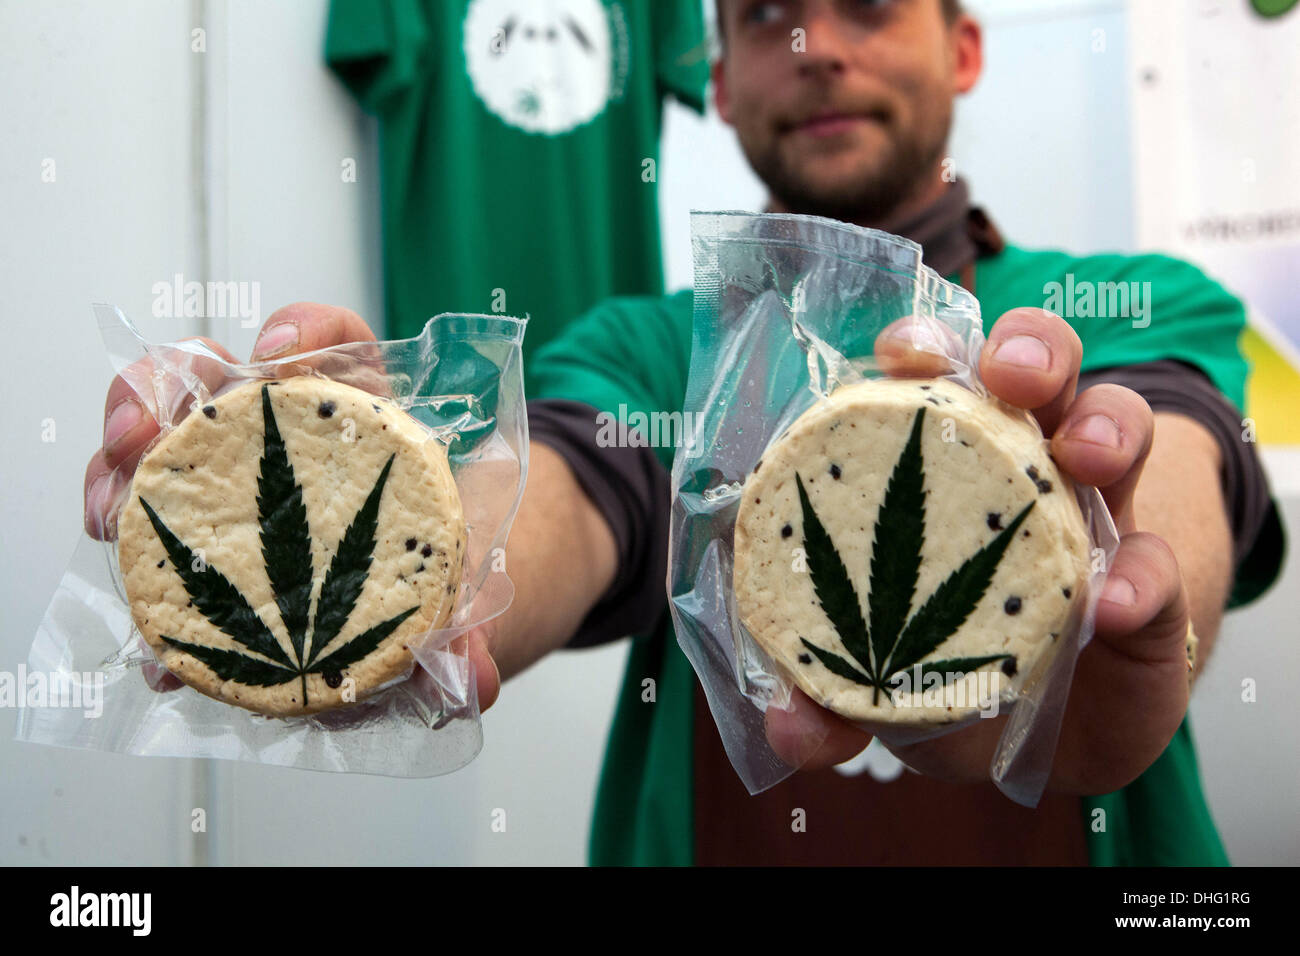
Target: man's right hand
x: 130, y: 425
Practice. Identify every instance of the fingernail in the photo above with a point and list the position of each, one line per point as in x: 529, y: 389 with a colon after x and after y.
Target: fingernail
x: 806, y: 733
x: 1098, y: 429
x: 275, y: 339
x: 1026, y: 351
x: 96, y: 506
x: 124, y: 416
x: 1119, y: 590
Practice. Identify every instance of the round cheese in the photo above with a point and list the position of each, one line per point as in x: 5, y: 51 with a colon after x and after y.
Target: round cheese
x: 946, y: 504
x: 282, y: 545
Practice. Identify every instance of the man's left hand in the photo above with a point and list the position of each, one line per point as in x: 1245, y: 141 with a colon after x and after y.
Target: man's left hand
x: 1130, y: 687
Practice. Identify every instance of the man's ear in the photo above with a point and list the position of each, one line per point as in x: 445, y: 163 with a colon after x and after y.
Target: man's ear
x: 968, y: 53
x: 720, y: 99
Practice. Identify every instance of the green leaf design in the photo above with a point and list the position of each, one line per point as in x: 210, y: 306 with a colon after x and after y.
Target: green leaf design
x: 839, y: 665
x: 896, y: 547
x: 286, y: 542
x: 954, y: 599
x: 361, y: 645
x: 894, y: 642
x: 348, y: 570
x: 231, y: 665
x: 286, y: 551
x: 216, y: 598
x: 953, y: 665
x: 831, y: 582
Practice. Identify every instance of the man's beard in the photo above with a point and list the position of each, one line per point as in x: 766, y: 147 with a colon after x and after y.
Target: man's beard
x: 870, y: 198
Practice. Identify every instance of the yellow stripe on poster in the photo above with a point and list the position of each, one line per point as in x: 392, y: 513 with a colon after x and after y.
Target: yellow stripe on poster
x: 1272, y: 391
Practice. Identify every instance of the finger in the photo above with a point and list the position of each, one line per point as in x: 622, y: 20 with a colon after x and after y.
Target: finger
x: 916, y: 348
x: 132, y: 408
x: 136, y: 402
x: 809, y: 737
x: 1031, y: 360
x: 962, y: 756
x: 1130, y: 687
x: 487, y: 677
x: 308, y: 326
x: 1104, y: 440
x: 1143, y: 608
x: 159, y: 678
x: 102, y: 490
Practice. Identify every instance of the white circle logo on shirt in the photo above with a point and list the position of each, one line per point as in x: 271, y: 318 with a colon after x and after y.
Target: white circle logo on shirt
x: 543, y: 66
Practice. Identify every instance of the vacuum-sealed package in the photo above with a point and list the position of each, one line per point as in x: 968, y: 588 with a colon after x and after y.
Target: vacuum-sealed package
x: 859, y: 518
x: 285, y: 573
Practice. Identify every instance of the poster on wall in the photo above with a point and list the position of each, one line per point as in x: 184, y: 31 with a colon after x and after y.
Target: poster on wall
x: 1216, y: 134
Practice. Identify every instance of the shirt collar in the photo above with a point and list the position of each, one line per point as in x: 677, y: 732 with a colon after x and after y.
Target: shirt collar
x: 951, y: 232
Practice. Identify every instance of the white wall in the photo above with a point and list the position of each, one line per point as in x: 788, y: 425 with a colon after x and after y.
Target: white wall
x: 108, y: 91
x: 80, y: 87
x: 1244, y: 715
x: 1053, y: 172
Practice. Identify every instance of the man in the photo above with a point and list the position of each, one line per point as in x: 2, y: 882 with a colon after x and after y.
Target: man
x: 854, y: 126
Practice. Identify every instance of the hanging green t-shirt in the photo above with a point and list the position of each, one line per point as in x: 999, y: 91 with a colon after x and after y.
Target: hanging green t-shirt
x: 636, y: 352
x: 519, y: 143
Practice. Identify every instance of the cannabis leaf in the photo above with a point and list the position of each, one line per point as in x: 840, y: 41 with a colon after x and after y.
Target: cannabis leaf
x: 893, y: 643
x: 286, y: 552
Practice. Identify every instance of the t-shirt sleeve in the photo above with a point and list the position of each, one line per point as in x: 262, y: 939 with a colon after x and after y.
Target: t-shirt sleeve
x: 1253, y: 519
x: 1174, y: 311
x: 624, y: 359
x: 630, y: 488
x: 631, y: 351
x: 374, y: 47
x: 681, y: 53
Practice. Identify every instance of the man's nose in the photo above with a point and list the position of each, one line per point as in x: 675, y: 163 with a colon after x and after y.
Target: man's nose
x: 826, y: 48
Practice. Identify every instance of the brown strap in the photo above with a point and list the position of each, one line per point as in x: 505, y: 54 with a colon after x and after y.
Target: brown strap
x: 968, y: 277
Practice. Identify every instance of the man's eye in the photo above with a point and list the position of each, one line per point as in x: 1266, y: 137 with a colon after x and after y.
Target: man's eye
x: 763, y: 13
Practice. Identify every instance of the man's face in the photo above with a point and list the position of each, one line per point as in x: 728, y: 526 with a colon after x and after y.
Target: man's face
x: 851, y: 117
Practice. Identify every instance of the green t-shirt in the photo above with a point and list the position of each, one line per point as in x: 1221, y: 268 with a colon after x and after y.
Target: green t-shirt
x: 518, y: 147
x: 636, y: 352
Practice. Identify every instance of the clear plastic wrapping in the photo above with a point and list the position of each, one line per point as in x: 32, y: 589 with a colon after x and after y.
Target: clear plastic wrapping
x: 787, y: 309
x: 461, y: 379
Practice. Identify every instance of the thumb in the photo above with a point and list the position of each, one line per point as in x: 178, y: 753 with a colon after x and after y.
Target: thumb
x: 307, y: 326
x: 809, y: 737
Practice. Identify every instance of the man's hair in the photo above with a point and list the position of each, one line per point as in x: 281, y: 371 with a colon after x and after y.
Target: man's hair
x: 951, y: 11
